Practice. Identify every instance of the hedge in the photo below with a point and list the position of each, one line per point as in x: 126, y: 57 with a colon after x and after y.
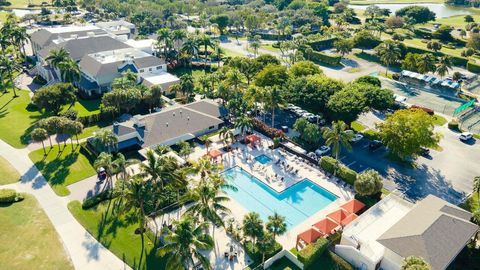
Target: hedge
x: 256, y: 256
x: 456, y: 60
x: 9, y: 196
x: 323, y: 44
x: 423, y: 33
x: 343, y: 172
x: 473, y: 67
x: 100, y: 197
x: 315, y: 56
x: 340, y: 262
x: 312, y: 252
x: 453, y: 125
x: 270, y: 36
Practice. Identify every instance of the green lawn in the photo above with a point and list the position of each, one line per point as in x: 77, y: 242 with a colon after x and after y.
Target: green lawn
x: 117, y: 234
x: 85, y: 107
x: 357, y: 126
x: 270, y: 47
x: 282, y: 264
x: 371, y: 2
x: 8, y: 174
x: 29, y: 241
x: 457, y: 21
x: 439, y: 120
x: 419, y: 44
x: 24, y: 3
x: 16, y: 118
x: 63, y: 169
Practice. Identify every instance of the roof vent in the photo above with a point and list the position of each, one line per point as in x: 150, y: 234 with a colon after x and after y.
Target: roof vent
x: 188, y: 118
x: 167, y: 124
x: 173, y: 113
x: 180, y: 111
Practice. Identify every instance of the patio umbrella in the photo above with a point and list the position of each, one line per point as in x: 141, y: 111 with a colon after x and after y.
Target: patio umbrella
x: 309, y: 236
x: 326, y: 225
x: 353, y: 206
x: 338, y: 215
x: 348, y: 219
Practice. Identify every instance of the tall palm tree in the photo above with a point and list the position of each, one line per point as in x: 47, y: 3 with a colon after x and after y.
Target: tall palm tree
x: 69, y: 70
x: 208, y: 205
x: 243, y: 123
x: 204, y: 167
x: 444, y: 64
x: 20, y: 37
x: 164, y: 37
x: 105, y: 161
x: 177, y: 37
x: 121, y: 164
x: 7, y: 67
x: 273, y: 101
x: 276, y: 224
x: 206, y: 42
x: 191, y: 47
x: 252, y: 226
x: 337, y: 137
x: 234, y: 78
x: 426, y: 63
x: 389, y: 53
x: 255, y: 45
x: 105, y: 139
x: 184, y: 245
x: 57, y: 56
x: 226, y: 135
x: 40, y: 135
x: 134, y: 202
x: 151, y: 168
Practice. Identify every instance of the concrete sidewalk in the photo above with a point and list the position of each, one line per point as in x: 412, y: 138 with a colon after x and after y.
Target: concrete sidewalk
x: 84, y: 250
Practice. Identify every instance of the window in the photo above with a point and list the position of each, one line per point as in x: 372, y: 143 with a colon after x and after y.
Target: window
x: 150, y: 69
x: 142, y: 70
x: 211, y: 127
x: 159, y: 67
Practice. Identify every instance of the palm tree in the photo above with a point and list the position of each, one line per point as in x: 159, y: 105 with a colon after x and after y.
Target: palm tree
x: 191, y: 47
x: 208, y: 205
x: 243, y: 123
x: 69, y: 70
x: 177, y: 37
x: 164, y: 36
x: 40, y: 135
x: 7, y: 66
x: 121, y: 164
x: 389, y: 53
x: 234, y: 78
x: 276, y: 225
x: 476, y: 185
x: 105, y: 139
x: 184, y: 245
x: 20, y: 37
x: 57, y: 56
x: 266, y: 244
x: 444, y: 64
x: 105, y: 161
x: 207, y: 43
x: 273, y: 101
x: 154, y: 169
x: 252, y: 226
x: 337, y: 137
x: 226, y: 135
x: 255, y: 45
x: 476, y: 220
x: 426, y: 63
x: 134, y: 199
x: 204, y: 167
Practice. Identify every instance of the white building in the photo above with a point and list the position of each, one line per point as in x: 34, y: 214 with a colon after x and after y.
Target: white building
x: 394, y: 229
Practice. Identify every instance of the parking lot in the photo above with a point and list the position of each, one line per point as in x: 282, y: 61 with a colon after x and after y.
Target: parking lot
x: 447, y: 174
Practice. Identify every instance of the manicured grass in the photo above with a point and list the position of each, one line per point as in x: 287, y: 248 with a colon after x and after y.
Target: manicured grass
x: 457, y: 21
x: 28, y: 239
x: 371, y: 2
x: 85, y: 107
x: 354, y: 70
x: 357, y: 126
x: 419, y: 44
x: 64, y: 168
x: 270, y: 48
x: 439, y: 120
x: 472, y: 204
x: 231, y: 53
x: 282, y: 264
x: 117, y: 234
x: 328, y: 261
x: 16, y: 118
x: 3, y: 16
x: 24, y: 3
x: 8, y: 174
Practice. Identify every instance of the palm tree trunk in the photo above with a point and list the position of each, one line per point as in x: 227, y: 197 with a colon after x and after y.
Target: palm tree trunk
x: 273, y: 118
x: 44, y: 151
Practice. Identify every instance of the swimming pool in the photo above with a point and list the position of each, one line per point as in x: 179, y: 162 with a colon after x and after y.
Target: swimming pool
x: 296, y: 203
x: 264, y: 159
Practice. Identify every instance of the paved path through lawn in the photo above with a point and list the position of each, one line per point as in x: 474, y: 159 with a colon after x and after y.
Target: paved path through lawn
x: 84, y: 250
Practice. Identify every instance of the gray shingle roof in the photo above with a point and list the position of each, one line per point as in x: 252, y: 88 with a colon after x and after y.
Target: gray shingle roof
x: 83, y: 46
x: 44, y: 37
x: 434, y: 230
x: 96, y: 68
x: 209, y: 107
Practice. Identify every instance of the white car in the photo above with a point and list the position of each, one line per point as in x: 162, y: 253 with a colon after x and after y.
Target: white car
x: 308, y: 115
x: 312, y: 156
x: 299, y: 112
x: 399, y: 98
x: 465, y: 136
x: 322, y: 150
x: 357, y: 137
x: 292, y: 107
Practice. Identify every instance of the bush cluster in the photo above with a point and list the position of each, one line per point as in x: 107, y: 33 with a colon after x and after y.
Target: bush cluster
x: 329, y: 164
x: 323, y: 44
x: 312, y: 252
x: 9, y: 196
x: 256, y: 256
x: 266, y: 130
x: 453, y: 125
x: 473, y: 67
x: 315, y: 56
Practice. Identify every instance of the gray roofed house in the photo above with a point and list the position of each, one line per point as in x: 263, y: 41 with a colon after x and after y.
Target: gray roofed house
x: 80, y: 47
x: 168, y: 127
x: 208, y: 106
x: 119, y: 27
x: 393, y: 229
x: 434, y: 230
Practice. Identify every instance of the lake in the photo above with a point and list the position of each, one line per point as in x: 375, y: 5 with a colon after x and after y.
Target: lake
x: 441, y: 10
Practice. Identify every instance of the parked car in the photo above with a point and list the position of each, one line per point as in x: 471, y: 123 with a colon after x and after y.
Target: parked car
x: 292, y: 107
x: 322, y: 150
x: 424, y: 152
x: 399, y: 98
x: 101, y: 174
x: 312, y: 155
x: 357, y: 137
x: 465, y: 136
x: 375, y: 144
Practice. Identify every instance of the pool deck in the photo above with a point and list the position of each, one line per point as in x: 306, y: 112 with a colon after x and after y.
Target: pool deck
x: 244, y: 158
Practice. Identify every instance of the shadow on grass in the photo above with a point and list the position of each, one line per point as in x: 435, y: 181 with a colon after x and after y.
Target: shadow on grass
x: 56, y: 171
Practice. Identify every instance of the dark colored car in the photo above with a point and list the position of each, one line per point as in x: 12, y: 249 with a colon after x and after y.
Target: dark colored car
x: 374, y: 145
x: 424, y: 152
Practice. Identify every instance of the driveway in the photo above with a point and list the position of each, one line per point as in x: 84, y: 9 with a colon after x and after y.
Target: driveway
x: 87, y: 188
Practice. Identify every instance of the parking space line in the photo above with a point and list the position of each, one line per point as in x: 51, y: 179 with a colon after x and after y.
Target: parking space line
x: 351, y: 163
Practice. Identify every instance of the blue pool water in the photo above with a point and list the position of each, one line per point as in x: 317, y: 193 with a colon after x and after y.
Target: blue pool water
x: 264, y: 159
x: 296, y: 203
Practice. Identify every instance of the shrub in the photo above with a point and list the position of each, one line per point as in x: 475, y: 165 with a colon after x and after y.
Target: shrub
x: 70, y: 114
x: 9, y: 196
x: 340, y: 262
x: 473, y: 67
x: 100, y: 197
x: 266, y: 130
x: 453, y: 125
x: 256, y: 256
x: 322, y: 44
x: 346, y: 174
x: 312, y: 252
x: 328, y: 164
x: 333, y: 60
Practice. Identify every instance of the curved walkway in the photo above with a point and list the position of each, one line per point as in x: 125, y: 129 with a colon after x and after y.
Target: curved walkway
x: 84, y: 250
